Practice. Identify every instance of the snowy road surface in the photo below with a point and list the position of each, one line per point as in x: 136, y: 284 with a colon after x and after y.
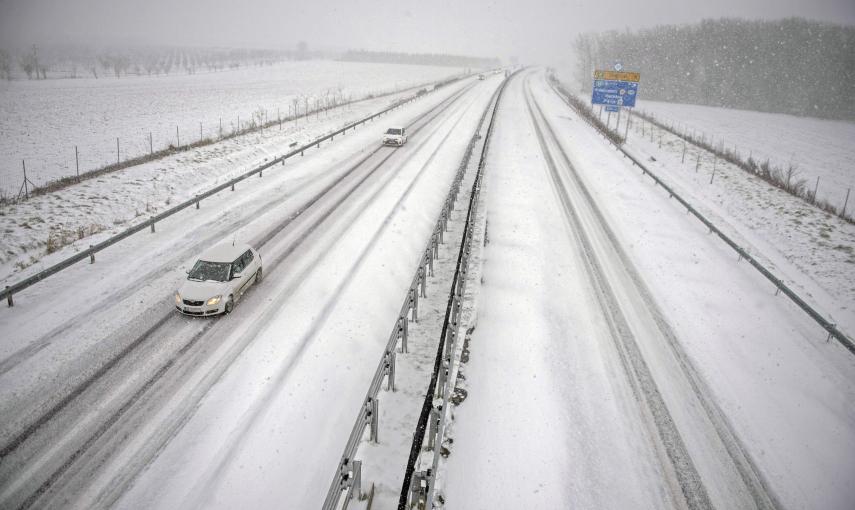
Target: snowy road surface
x: 620, y: 358
x: 340, y: 231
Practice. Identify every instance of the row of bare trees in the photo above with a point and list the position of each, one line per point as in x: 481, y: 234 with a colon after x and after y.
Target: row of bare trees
x: 38, y: 63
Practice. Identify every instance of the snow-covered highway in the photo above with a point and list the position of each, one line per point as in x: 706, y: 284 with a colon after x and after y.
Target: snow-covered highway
x: 95, y: 397
x: 621, y: 357
x: 617, y: 357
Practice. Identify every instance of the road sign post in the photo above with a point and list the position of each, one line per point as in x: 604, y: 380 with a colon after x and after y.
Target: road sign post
x: 615, y: 90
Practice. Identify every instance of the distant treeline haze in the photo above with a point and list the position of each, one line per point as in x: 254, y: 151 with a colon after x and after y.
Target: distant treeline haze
x: 432, y: 59
x: 793, y: 65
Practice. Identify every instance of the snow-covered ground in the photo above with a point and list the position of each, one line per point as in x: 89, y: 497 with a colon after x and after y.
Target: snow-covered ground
x: 101, y: 207
x: 42, y: 121
x: 558, y: 409
x: 808, y: 248
x: 816, y: 147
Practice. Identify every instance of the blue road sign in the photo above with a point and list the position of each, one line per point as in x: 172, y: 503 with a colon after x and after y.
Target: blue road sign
x: 615, y: 93
x: 612, y: 108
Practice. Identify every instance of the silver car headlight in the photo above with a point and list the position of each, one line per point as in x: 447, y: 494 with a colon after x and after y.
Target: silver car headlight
x: 214, y: 300
x: 177, y: 299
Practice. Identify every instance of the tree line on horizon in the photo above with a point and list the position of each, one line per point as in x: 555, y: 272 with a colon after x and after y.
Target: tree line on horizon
x: 431, y: 59
x: 794, y: 65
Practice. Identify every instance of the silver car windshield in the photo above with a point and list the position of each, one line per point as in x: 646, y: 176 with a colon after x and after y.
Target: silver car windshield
x: 209, y: 271
x: 393, y: 131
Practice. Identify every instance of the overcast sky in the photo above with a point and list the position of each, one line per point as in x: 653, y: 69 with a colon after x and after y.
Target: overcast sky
x: 538, y: 31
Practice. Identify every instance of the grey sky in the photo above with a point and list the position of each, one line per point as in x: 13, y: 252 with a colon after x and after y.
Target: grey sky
x: 537, y: 31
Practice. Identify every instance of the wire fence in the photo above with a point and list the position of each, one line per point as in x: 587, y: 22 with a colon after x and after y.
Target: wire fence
x: 780, y: 287
x: 54, y: 168
x: 10, y: 290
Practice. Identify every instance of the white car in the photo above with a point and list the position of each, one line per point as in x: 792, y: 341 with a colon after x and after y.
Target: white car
x: 219, y: 278
x: 395, y: 136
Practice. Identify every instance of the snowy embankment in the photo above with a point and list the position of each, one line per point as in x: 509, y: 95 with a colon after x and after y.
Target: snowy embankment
x: 43, y: 121
x: 35, y: 232
x: 809, y: 249
x: 817, y: 148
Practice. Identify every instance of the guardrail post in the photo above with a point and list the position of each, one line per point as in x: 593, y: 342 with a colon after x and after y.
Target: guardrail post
x: 152, y: 224
x: 355, y: 482
x: 423, y: 280
x: 435, y: 415
x: 418, y: 489
x: 91, y: 255
x: 388, y: 369
x: 402, y: 332
x: 414, y: 304
x: 9, y: 301
x: 197, y: 201
x: 371, y: 412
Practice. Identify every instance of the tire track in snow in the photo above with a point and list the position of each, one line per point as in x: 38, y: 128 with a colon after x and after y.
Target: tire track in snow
x: 426, y: 118
x: 170, y: 317
x: 754, y: 491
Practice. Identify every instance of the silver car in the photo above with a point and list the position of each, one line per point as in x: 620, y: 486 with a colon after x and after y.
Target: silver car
x: 219, y: 279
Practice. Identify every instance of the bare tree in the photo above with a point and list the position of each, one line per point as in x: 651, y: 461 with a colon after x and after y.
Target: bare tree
x: 29, y: 62
x: 5, y: 65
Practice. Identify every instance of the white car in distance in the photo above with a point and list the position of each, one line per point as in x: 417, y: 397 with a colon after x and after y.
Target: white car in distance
x: 219, y: 279
x: 395, y: 136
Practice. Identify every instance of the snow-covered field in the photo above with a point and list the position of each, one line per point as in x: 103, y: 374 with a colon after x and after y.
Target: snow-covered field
x: 108, y: 204
x: 42, y: 121
x: 816, y: 147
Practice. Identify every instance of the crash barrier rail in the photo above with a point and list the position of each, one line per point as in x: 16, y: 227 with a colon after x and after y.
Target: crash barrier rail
x: 780, y: 286
x: 89, y: 253
x: 347, y: 479
x: 418, y: 487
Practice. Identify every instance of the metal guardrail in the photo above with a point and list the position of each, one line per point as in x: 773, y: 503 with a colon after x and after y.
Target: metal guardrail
x: 89, y: 253
x: 780, y: 286
x: 348, y: 475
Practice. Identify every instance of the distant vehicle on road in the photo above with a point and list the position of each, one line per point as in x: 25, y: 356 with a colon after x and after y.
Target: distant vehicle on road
x: 482, y: 77
x: 395, y: 136
x: 219, y: 279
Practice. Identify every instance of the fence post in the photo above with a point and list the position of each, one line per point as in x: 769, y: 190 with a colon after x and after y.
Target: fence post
x: 683, y: 159
x: 698, y: 163
x: 200, y: 132
x: 843, y: 213
x: 177, y: 138
x: 150, y: 145
x: 715, y: 158
x: 117, y: 150
x: 26, y: 181
x: 628, y: 122
x: 815, y: 189
x: 76, y: 163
